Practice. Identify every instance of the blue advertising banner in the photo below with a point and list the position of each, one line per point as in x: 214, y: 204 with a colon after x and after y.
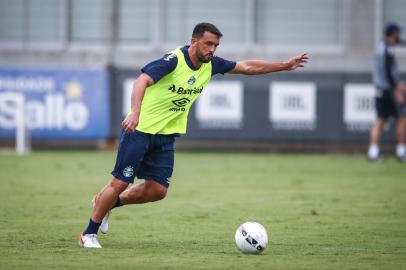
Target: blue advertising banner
x: 56, y: 103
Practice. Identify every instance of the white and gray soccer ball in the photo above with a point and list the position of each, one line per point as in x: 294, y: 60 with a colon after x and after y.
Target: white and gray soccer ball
x: 251, y: 238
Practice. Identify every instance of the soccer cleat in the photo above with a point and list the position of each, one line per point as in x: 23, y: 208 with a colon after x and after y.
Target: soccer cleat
x: 104, y: 226
x: 89, y: 241
x: 376, y: 159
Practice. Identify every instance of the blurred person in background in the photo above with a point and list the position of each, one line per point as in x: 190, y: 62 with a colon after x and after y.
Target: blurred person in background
x: 390, y: 94
x: 161, y: 98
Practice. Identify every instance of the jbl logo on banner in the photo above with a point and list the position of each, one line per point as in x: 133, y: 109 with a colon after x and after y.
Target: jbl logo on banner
x: 221, y: 105
x: 292, y: 105
x: 359, y: 106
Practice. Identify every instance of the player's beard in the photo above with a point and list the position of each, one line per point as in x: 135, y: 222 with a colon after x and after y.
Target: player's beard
x: 201, y: 57
x: 398, y: 40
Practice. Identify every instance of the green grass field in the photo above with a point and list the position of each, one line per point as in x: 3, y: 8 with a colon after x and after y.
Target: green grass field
x: 321, y: 212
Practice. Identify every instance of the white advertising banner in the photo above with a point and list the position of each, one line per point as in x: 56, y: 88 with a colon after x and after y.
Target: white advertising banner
x: 220, y: 106
x: 359, y: 106
x: 292, y: 105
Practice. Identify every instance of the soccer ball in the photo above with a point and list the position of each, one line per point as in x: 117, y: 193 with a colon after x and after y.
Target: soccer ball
x: 251, y: 238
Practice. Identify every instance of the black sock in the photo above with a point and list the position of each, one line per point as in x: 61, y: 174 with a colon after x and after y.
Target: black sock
x: 92, y: 228
x: 118, y: 203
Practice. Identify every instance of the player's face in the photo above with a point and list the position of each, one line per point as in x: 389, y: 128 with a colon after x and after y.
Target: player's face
x: 206, y: 46
x: 397, y: 37
x: 394, y: 38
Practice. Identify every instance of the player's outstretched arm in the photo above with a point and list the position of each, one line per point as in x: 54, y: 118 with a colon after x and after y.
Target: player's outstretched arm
x: 256, y: 67
x: 130, y: 122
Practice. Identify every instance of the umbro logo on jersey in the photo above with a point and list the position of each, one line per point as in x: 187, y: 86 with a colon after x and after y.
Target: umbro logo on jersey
x: 191, y: 80
x: 181, y: 102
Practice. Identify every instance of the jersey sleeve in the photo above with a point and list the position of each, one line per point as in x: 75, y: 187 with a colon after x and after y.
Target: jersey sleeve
x: 390, y: 69
x: 220, y: 65
x: 160, y: 68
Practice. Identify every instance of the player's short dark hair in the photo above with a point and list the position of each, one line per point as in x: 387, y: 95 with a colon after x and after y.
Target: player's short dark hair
x: 205, y: 27
x: 392, y: 28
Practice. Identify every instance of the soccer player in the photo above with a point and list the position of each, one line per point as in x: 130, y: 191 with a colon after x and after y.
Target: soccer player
x: 161, y: 98
x: 390, y: 95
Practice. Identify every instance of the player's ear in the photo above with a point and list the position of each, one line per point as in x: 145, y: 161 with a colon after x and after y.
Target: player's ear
x: 193, y: 42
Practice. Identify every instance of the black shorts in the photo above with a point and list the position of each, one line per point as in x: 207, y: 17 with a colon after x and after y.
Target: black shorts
x: 385, y: 105
x: 145, y: 156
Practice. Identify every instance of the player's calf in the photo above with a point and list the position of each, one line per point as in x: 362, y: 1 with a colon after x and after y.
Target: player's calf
x: 149, y: 191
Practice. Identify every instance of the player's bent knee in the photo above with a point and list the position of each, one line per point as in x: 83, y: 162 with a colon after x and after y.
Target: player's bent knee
x: 157, y: 193
x: 118, y: 184
x: 154, y: 191
x: 160, y: 194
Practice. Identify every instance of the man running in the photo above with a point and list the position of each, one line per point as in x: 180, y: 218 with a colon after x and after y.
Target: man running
x: 161, y: 98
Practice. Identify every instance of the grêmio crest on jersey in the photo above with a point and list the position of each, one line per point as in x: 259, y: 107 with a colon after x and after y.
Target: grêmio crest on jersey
x: 191, y: 80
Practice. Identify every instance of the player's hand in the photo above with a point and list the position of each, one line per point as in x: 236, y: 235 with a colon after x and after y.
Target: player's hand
x: 400, y: 93
x: 401, y: 88
x: 130, y: 122
x: 297, y: 61
x: 400, y: 98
